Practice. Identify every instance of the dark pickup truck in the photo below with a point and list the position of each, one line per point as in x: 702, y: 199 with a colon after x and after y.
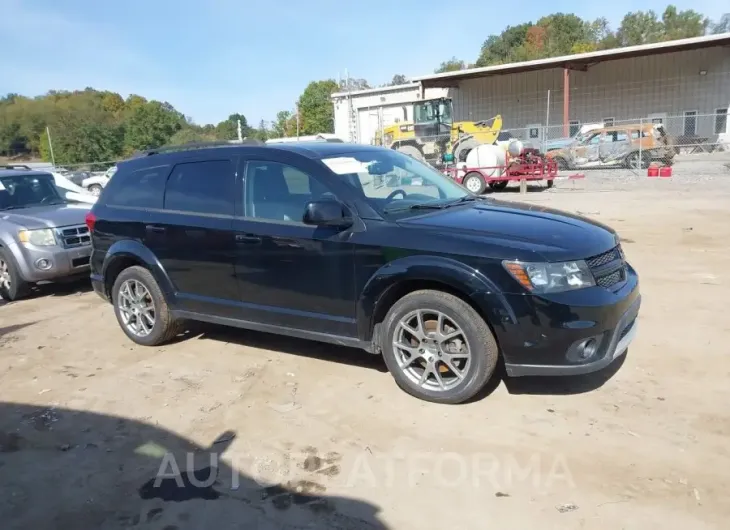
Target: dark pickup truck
x: 365, y: 247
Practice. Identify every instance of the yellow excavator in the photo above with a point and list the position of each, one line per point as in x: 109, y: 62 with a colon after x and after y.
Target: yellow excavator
x: 433, y: 133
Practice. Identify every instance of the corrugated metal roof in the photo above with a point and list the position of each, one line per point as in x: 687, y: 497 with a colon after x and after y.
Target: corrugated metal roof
x: 376, y: 90
x: 580, y: 59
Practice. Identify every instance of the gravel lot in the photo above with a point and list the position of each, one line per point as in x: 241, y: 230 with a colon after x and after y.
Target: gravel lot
x: 317, y: 436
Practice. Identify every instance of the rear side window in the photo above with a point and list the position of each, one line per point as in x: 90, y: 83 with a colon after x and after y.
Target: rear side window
x: 140, y: 189
x: 206, y: 187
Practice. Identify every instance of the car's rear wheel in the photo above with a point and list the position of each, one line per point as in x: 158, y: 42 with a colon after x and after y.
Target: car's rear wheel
x: 437, y: 347
x: 474, y: 182
x: 12, y: 286
x: 95, y: 190
x: 141, y: 309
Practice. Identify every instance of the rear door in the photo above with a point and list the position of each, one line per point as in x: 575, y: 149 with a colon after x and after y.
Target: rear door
x: 192, y: 238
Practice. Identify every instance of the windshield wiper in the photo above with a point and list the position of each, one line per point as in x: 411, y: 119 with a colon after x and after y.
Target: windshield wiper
x: 419, y: 206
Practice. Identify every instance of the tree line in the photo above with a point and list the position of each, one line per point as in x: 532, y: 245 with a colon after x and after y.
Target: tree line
x: 565, y: 34
x: 94, y: 126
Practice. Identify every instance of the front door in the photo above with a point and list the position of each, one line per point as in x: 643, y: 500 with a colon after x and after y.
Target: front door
x: 192, y: 238
x: 291, y: 274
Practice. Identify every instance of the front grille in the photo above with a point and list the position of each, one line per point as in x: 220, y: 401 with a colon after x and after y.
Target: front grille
x: 609, y: 280
x: 75, y: 236
x: 79, y: 262
x: 605, y: 258
x: 608, y: 268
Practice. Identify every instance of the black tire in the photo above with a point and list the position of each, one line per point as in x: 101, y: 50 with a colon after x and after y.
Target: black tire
x: 476, y: 177
x: 499, y: 185
x: 95, y: 190
x: 638, y: 161
x: 18, y: 288
x: 166, y: 327
x: 483, y: 346
x: 550, y: 183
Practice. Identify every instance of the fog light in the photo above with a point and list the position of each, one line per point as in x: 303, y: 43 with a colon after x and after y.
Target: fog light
x: 588, y: 349
x: 43, y: 264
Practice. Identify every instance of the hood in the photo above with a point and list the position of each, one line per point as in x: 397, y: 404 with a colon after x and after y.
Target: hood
x: 46, y: 216
x: 552, y: 234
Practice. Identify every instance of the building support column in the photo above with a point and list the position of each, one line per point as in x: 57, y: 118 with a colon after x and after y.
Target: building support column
x: 566, y: 102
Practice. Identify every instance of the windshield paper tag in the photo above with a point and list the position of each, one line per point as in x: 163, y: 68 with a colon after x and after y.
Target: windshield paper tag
x: 345, y: 165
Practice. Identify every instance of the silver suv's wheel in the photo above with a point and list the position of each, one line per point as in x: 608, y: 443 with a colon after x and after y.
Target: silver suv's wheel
x: 437, y: 347
x: 141, y: 309
x: 12, y: 286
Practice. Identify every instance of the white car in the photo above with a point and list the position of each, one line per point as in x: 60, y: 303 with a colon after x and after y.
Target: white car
x: 71, y: 191
x: 96, y: 183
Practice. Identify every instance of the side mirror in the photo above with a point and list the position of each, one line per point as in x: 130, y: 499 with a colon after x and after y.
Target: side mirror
x: 326, y: 212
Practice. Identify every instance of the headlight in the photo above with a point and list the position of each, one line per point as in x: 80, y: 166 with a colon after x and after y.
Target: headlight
x: 40, y: 238
x: 551, y: 277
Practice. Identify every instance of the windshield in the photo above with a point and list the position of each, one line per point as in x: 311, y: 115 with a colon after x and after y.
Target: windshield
x: 431, y: 111
x: 25, y: 191
x: 392, y: 181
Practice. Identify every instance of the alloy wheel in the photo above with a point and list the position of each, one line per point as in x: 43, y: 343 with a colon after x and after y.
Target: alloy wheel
x: 137, y: 308
x: 4, y: 275
x: 432, y: 350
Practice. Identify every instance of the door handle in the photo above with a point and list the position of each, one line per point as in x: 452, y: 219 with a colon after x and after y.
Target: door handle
x: 156, y: 229
x: 248, y: 239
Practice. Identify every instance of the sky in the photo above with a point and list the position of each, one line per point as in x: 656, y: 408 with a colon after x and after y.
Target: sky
x: 213, y: 58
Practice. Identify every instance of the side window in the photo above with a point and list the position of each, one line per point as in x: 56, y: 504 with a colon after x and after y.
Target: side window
x: 594, y: 139
x: 279, y: 192
x: 635, y: 135
x: 202, y: 187
x: 143, y: 188
x: 620, y: 136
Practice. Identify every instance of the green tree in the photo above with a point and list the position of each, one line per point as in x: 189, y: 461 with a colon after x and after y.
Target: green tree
x: 398, y: 79
x: 285, y: 125
x: 316, y: 112
x: 499, y: 49
x: 683, y: 24
x: 191, y: 135
x: 151, y: 125
x: 721, y: 26
x: 228, y: 129
x: 452, y: 65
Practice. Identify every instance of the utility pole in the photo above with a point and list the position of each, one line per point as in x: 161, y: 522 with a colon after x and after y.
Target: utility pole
x: 50, y: 146
x: 240, y: 136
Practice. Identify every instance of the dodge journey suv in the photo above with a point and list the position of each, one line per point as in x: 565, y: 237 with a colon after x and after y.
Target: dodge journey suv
x: 360, y: 246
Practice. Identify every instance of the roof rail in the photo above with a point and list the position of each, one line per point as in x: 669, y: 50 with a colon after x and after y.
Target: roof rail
x: 14, y: 166
x: 198, y: 145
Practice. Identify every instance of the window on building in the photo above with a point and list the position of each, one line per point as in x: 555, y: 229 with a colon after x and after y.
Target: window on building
x: 721, y: 121
x: 141, y: 189
x: 690, y: 122
x: 608, y: 122
x: 202, y: 187
x: 574, y: 127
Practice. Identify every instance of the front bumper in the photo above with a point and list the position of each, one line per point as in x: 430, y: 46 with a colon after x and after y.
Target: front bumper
x: 548, y: 334
x: 62, y: 262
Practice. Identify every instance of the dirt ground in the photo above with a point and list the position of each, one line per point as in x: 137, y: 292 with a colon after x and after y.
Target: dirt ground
x: 317, y: 436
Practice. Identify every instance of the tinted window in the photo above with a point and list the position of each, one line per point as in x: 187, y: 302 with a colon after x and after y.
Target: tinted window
x: 201, y: 187
x: 142, y: 188
x: 278, y: 191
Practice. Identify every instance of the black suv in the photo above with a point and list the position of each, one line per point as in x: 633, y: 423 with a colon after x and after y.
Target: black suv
x: 360, y: 246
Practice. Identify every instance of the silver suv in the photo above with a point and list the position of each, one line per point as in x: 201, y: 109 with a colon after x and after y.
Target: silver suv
x: 43, y: 236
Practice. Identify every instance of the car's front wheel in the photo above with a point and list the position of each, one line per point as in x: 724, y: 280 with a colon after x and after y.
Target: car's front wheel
x: 95, y: 190
x: 437, y: 347
x: 141, y: 309
x: 12, y: 286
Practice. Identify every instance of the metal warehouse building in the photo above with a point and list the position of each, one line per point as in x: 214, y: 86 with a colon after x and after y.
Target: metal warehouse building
x: 684, y: 84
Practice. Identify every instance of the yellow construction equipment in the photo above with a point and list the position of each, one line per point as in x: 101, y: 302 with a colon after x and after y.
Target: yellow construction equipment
x: 433, y: 132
